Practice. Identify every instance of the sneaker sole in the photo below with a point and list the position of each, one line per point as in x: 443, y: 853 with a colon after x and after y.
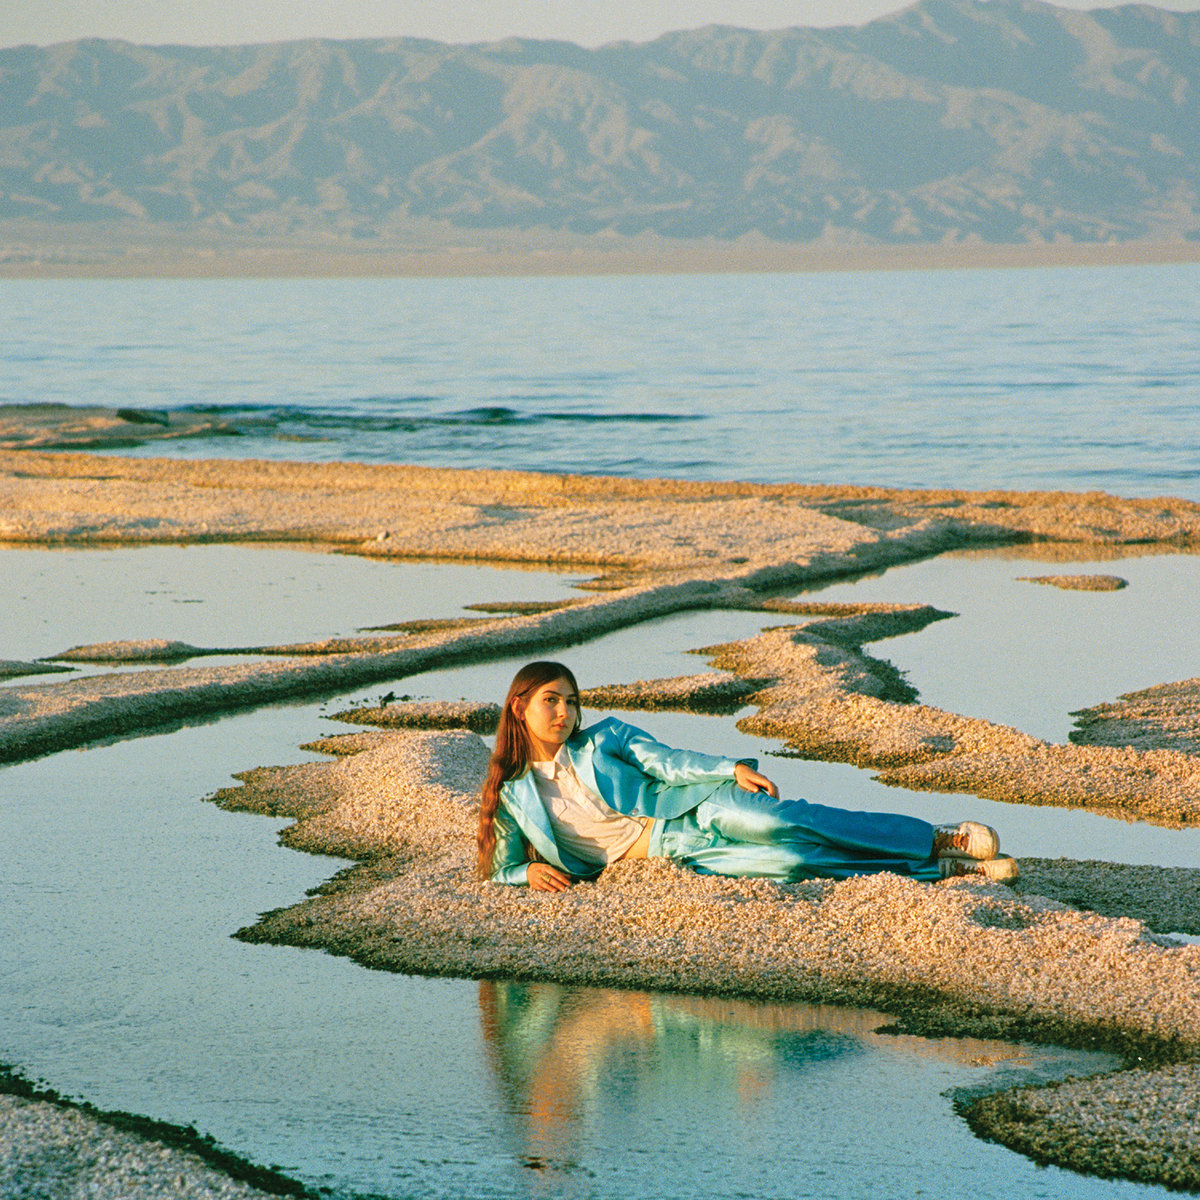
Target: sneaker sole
x: 995, y: 870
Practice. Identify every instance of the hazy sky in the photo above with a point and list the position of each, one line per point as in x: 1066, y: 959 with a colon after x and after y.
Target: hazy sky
x: 589, y: 22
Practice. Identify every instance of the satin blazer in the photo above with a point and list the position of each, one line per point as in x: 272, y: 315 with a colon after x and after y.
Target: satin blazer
x: 627, y: 769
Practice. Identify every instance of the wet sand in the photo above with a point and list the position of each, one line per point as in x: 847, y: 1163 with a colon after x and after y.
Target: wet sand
x: 1041, y: 965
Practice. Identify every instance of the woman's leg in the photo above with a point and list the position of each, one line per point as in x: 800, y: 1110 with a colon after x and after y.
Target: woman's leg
x: 736, y: 832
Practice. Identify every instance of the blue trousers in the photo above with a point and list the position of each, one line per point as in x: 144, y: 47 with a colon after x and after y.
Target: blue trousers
x: 735, y: 832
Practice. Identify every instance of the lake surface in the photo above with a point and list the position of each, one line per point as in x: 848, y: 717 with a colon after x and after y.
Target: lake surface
x: 122, y: 985
x: 1076, y: 378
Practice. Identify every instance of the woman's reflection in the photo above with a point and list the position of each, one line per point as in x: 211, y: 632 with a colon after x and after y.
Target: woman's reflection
x: 574, y: 1062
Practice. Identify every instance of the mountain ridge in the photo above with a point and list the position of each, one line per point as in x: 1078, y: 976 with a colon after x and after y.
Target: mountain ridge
x: 951, y: 122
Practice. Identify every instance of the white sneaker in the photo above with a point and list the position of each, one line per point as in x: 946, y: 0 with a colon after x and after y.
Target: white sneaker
x: 968, y: 839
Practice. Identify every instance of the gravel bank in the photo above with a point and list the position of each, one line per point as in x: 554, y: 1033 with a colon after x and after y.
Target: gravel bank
x: 1079, y: 583
x: 403, y: 801
x: 52, y: 1150
x: 1164, y: 717
x: 1138, y: 1124
x: 830, y: 700
x: 528, y: 517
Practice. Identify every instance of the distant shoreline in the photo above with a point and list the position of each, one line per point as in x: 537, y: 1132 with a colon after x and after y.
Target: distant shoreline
x: 86, y: 253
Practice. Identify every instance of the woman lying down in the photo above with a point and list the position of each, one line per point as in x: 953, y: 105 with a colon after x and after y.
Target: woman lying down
x: 560, y: 803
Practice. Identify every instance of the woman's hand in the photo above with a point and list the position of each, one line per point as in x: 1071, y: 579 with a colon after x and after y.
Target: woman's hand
x: 542, y: 877
x: 750, y: 780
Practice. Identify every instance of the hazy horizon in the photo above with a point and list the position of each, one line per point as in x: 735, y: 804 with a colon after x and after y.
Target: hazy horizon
x: 180, y: 22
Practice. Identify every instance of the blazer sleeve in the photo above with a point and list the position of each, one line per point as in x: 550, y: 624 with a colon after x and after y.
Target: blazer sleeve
x: 510, y: 859
x: 675, y: 767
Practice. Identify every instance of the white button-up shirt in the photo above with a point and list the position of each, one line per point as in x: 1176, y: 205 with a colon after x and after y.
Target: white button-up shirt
x: 581, y: 822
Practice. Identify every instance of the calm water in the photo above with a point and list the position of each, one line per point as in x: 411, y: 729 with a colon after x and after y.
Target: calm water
x: 1075, y: 378
x: 121, y: 982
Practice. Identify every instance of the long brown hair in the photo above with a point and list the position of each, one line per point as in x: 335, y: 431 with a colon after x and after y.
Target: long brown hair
x: 513, y: 752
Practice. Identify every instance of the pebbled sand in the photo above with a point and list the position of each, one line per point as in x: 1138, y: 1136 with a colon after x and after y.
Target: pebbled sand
x: 47, y: 1150
x: 1165, y: 717
x: 401, y: 800
x: 643, y: 525
x: 404, y: 801
x: 1138, y: 1124
x: 1079, y: 583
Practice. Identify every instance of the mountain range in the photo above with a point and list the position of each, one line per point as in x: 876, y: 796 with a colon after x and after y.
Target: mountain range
x: 952, y: 121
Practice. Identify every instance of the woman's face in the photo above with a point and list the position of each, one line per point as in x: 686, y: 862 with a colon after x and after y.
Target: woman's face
x: 550, y: 717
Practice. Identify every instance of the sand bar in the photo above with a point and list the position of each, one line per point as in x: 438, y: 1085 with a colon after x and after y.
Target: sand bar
x: 698, y: 528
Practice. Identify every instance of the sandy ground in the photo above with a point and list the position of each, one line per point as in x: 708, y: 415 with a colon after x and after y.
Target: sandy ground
x: 1075, y: 953
x: 403, y: 803
x: 959, y: 957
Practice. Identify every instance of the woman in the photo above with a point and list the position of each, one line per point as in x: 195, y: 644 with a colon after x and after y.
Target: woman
x: 560, y: 803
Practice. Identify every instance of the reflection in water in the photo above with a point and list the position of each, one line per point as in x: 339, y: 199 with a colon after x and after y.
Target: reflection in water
x: 573, y: 1062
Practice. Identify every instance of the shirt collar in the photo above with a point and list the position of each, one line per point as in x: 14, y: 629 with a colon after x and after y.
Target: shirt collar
x: 550, y: 768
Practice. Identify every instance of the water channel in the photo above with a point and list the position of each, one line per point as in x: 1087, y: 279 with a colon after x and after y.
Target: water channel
x: 122, y: 985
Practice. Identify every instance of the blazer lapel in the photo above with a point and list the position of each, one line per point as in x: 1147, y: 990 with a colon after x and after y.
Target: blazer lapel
x: 619, y: 787
x: 581, y: 755
x: 530, y: 814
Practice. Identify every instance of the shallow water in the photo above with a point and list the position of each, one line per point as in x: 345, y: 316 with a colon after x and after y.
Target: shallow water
x: 234, y: 595
x: 1060, y: 377
x: 123, y: 986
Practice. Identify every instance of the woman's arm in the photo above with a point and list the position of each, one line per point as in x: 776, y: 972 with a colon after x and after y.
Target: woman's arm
x: 674, y: 767
x: 510, y: 859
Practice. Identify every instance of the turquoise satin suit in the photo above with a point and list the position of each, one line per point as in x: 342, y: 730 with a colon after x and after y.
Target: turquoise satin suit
x: 703, y: 820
